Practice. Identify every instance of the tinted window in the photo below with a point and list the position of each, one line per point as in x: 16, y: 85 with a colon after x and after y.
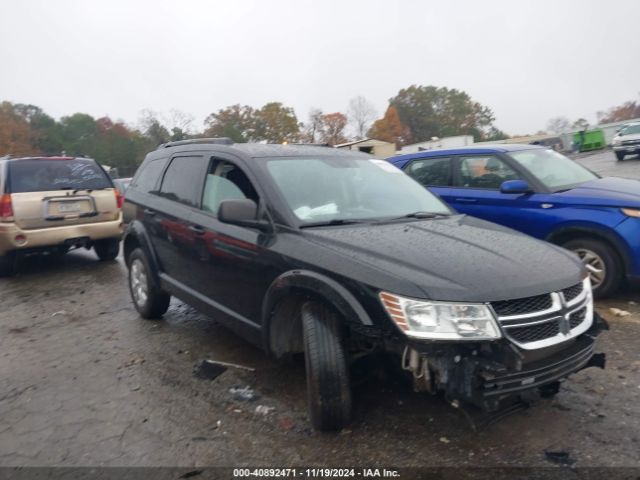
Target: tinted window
x: 484, y: 171
x: 225, y: 181
x: 434, y: 172
x: 40, y: 175
x: 182, y: 181
x: 147, y: 179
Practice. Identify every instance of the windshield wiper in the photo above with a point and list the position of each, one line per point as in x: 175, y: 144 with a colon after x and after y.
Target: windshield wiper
x: 422, y: 215
x: 335, y: 221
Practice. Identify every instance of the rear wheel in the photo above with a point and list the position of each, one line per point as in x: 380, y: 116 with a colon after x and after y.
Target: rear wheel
x: 149, y: 300
x: 328, y: 386
x: 7, y: 264
x: 602, y: 262
x: 107, y: 249
x: 620, y: 156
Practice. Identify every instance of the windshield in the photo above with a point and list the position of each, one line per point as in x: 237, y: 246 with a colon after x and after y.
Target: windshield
x: 343, y: 188
x: 630, y: 130
x: 554, y: 170
x: 41, y: 175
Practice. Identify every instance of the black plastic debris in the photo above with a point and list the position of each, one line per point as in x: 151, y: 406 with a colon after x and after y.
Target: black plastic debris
x: 208, y: 370
x: 559, y: 457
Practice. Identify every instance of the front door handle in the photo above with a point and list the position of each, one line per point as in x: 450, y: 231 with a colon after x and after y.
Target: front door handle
x: 197, y: 229
x: 466, y: 200
x: 148, y: 211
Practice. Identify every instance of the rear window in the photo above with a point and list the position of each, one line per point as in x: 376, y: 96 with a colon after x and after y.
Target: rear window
x: 41, y: 175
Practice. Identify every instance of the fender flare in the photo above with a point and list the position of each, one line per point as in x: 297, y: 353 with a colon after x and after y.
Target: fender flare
x: 136, y: 231
x: 317, y: 285
x: 597, y: 232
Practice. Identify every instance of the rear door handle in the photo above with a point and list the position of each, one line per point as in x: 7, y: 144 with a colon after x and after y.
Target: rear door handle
x: 197, y: 229
x: 148, y: 211
x: 466, y: 200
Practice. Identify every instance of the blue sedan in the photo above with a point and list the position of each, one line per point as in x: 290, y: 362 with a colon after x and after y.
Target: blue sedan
x: 542, y: 193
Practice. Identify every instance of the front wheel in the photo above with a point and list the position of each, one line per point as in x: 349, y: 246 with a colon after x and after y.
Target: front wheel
x: 328, y: 385
x: 149, y: 300
x: 602, y: 262
x: 107, y: 249
x: 620, y: 156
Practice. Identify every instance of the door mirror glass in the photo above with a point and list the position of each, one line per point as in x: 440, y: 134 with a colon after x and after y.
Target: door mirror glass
x: 515, y: 186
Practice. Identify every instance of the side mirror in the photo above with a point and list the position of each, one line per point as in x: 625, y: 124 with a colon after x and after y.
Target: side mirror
x: 515, y: 186
x: 242, y: 213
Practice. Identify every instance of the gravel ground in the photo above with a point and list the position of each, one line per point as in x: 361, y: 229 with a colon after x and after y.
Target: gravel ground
x: 85, y: 381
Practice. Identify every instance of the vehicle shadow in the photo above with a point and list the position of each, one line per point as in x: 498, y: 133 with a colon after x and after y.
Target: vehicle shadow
x: 73, y: 261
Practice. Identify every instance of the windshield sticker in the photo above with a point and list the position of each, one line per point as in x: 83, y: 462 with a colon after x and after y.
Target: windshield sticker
x: 383, y: 164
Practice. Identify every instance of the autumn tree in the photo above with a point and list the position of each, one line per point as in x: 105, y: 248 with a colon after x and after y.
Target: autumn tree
x: 15, y: 132
x: 236, y: 122
x: 361, y: 114
x: 390, y: 129
x: 332, y: 128
x: 626, y: 111
x: 276, y: 123
x: 430, y: 111
x: 558, y: 125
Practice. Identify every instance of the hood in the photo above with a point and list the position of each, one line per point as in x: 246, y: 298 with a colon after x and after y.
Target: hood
x: 458, y: 258
x: 608, y: 192
x: 630, y: 136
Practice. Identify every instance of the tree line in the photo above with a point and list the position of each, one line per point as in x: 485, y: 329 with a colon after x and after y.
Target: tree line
x: 415, y: 114
x: 619, y: 113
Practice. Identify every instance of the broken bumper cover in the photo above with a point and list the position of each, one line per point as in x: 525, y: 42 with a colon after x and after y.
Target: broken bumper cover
x: 491, y: 376
x: 579, y: 356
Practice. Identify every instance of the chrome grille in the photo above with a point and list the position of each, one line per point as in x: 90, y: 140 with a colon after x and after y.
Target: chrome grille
x: 572, y: 292
x: 577, y: 317
x: 522, y: 306
x: 533, y: 333
x: 544, y: 320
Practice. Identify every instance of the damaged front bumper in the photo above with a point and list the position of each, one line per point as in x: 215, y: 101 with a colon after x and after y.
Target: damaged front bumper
x: 490, y: 375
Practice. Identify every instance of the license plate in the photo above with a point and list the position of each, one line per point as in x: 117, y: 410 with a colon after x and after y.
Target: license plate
x: 69, y: 207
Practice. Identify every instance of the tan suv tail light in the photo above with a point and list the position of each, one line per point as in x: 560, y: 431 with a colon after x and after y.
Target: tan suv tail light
x: 119, y: 199
x: 6, y: 208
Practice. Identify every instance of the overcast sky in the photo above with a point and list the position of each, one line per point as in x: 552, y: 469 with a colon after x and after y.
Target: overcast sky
x: 527, y: 60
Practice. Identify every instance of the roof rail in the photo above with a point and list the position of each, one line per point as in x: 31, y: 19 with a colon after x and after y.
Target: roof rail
x: 196, y: 141
x: 311, y: 144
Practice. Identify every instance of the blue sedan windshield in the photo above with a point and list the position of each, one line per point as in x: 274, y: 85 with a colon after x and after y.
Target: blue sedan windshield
x: 554, y: 170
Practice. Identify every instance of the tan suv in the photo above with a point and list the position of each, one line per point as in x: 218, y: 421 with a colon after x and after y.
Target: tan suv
x: 53, y: 204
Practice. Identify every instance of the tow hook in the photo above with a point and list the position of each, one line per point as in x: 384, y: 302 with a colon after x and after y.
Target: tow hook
x: 419, y: 367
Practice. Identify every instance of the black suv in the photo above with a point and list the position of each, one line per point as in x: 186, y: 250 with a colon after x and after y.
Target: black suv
x: 334, y: 254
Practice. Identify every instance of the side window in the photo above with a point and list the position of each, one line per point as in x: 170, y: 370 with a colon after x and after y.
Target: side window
x: 484, y: 171
x: 225, y: 181
x: 431, y: 172
x: 183, y: 180
x: 147, y: 179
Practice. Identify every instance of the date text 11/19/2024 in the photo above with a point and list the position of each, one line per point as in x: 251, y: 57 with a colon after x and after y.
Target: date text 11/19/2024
x: 315, y: 473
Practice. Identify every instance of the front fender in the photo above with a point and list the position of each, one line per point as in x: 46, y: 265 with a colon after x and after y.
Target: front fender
x: 594, y: 231
x: 317, y: 285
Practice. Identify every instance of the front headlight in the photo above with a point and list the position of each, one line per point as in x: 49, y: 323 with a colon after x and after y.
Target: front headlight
x: 439, y: 320
x: 616, y: 141
x: 631, y: 212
